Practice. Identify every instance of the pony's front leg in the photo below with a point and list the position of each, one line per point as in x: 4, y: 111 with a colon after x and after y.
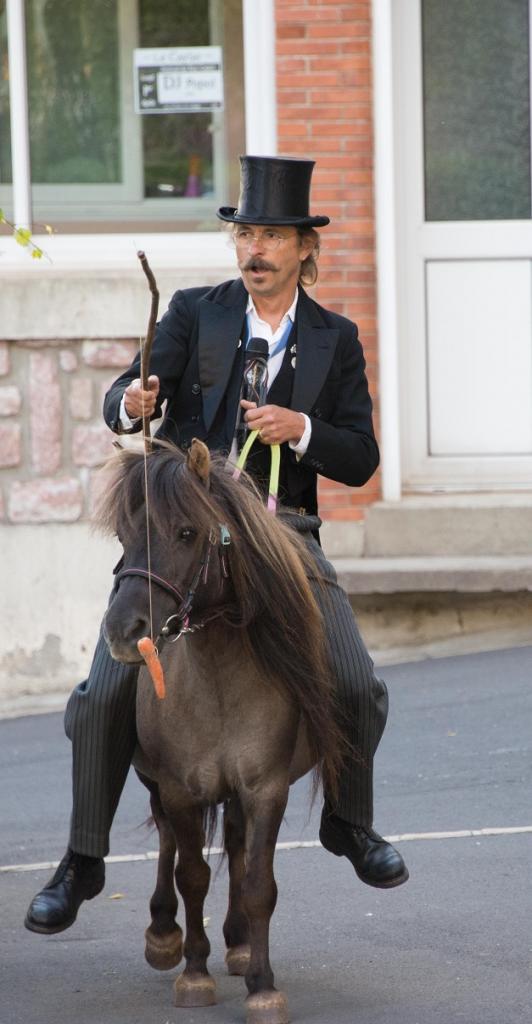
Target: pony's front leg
x: 263, y: 814
x: 194, y: 987
x: 236, y: 924
x: 164, y: 938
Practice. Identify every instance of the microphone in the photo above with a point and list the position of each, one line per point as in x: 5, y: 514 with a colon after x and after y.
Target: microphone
x: 254, y: 383
x: 256, y: 371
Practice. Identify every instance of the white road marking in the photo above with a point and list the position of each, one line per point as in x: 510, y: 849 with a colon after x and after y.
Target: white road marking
x: 306, y: 844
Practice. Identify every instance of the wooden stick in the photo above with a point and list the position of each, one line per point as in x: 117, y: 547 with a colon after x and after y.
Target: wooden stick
x: 148, y: 343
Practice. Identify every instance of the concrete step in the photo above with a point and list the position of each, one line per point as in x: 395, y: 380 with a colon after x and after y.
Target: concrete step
x: 450, y: 525
x: 420, y: 574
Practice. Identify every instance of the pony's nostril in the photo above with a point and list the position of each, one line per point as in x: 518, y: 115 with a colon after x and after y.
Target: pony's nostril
x: 133, y: 631
x: 126, y: 631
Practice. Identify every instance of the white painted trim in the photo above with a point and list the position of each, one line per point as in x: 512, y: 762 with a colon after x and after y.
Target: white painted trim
x: 187, y: 250
x: 18, y: 101
x: 385, y: 216
x: 258, y: 18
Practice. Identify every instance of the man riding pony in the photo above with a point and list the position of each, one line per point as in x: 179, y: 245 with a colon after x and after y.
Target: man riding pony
x: 318, y: 408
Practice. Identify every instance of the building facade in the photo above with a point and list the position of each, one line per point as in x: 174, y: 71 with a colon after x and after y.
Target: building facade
x: 121, y: 122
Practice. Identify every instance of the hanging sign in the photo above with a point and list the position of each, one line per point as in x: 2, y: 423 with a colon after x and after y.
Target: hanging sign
x: 178, y: 79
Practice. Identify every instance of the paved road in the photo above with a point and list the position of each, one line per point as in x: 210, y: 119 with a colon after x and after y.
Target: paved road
x: 453, y: 945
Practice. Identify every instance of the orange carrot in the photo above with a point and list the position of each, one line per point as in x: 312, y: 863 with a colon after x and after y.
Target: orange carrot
x: 148, y: 650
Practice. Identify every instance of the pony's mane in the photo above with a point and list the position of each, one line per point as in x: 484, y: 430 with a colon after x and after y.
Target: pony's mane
x: 269, y: 564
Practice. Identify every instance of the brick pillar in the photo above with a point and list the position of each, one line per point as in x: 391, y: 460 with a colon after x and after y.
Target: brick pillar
x: 324, y: 95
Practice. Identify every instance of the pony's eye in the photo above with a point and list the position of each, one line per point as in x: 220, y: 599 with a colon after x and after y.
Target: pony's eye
x: 186, y: 533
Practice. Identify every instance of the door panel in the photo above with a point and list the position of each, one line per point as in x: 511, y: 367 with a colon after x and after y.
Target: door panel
x: 478, y: 312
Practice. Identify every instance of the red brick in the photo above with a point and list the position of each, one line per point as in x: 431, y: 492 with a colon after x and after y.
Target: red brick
x: 360, y: 145
x: 289, y: 129
x: 337, y: 96
x: 91, y: 445
x: 290, y: 31
x: 358, y: 178
x: 360, y: 45
x: 306, y: 81
x: 344, y: 129
x: 334, y: 30
x: 358, y: 113
x: 305, y: 47
x: 4, y: 358
x: 295, y: 96
x: 360, y: 10
x: 329, y: 176
x: 292, y: 63
x: 335, y: 499
x: 45, y: 412
x: 10, y: 401
x: 10, y: 445
x: 325, y: 195
x: 331, y: 291
x: 344, y: 63
x: 109, y: 353
x: 80, y: 398
x: 304, y: 13
x: 45, y: 500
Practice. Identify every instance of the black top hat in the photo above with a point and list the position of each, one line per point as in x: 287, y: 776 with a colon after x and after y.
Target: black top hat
x: 273, y: 190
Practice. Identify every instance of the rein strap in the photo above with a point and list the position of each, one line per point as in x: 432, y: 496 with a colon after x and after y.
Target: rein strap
x: 275, y: 465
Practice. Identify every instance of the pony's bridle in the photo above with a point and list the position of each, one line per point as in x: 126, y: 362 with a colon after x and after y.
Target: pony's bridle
x: 179, y: 622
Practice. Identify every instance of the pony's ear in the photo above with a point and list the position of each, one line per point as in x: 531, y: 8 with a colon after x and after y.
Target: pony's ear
x: 199, y: 460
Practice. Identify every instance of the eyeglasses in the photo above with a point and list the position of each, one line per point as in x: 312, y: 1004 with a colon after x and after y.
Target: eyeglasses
x: 267, y: 239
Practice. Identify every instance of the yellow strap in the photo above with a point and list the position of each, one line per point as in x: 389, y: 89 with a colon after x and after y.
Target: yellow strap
x: 275, y: 450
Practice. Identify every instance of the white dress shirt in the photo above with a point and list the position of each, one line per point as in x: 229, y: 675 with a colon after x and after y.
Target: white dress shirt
x: 260, y: 329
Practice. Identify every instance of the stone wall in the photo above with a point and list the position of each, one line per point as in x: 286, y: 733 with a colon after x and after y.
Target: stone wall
x: 52, y: 437
x: 55, y: 571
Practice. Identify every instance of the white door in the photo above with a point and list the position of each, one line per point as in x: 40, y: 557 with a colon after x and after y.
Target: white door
x: 464, y: 251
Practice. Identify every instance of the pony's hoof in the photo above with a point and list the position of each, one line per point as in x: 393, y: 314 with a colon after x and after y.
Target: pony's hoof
x: 195, y: 990
x: 163, y: 952
x: 267, y: 1008
x: 237, y: 959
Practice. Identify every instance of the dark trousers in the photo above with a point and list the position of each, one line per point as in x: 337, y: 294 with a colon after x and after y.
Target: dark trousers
x: 100, y: 721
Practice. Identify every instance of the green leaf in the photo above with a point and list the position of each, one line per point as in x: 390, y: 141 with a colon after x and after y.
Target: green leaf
x: 36, y: 253
x: 22, y: 236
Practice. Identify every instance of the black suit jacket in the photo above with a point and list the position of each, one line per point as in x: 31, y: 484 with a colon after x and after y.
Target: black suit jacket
x: 198, y: 359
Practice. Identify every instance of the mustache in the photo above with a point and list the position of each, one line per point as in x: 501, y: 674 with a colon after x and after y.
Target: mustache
x: 257, y: 264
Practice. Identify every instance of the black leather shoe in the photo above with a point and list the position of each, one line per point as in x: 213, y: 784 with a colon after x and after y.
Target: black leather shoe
x: 56, y: 907
x: 375, y: 861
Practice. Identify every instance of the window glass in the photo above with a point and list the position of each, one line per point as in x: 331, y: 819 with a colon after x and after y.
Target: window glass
x: 177, y: 148
x: 72, y: 55
x: 476, y: 82
x: 98, y: 164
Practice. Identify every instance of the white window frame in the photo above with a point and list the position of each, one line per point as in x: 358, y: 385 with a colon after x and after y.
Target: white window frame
x: 165, y: 249
x: 385, y: 228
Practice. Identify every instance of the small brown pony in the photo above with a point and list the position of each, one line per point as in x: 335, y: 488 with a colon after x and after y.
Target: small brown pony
x: 249, y: 707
